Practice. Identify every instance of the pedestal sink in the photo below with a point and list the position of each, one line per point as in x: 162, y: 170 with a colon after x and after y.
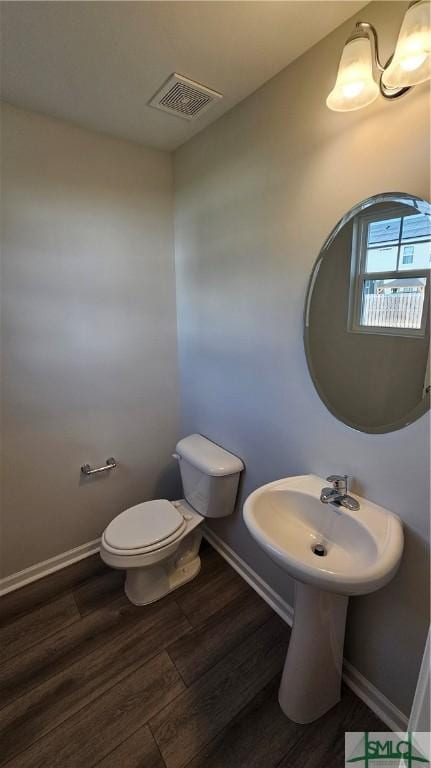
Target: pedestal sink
x: 359, y: 552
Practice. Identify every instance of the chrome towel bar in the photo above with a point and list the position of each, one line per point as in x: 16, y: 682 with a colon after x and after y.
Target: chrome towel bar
x: 110, y: 464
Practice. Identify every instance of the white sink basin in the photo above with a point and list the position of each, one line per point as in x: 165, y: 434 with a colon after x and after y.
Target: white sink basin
x: 363, y: 548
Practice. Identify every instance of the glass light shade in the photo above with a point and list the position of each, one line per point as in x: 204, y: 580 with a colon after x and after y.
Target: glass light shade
x: 411, y: 63
x: 355, y: 86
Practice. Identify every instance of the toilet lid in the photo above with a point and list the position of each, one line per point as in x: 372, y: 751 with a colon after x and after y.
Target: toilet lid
x: 144, y: 525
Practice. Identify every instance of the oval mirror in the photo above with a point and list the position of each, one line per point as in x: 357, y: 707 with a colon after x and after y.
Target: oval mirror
x: 367, y: 315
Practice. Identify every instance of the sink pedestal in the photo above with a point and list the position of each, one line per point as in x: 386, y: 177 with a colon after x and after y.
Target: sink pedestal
x: 311, y: 681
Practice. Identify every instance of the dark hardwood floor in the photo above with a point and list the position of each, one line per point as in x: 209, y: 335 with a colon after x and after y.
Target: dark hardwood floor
x: 87, y: 679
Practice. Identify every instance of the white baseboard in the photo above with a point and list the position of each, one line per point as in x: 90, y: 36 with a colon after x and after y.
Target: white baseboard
x: 396, y: 720
x: 366, y: 691
x: 38, y: 571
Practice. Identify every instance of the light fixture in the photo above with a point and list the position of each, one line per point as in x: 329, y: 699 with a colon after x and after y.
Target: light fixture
x: 411, y: 63
x: 356, y: 86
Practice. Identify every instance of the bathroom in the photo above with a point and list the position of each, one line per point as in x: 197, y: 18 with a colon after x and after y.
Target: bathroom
x: 163, y: 311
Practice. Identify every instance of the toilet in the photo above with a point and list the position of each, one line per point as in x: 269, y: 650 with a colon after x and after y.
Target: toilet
x: 157, y: 542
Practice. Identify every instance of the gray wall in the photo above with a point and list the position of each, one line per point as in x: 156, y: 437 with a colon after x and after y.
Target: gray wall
x: 257, y: 194
x: 88, y: 332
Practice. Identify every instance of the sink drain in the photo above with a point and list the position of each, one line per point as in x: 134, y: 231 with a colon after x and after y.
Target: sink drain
x: 319, y: 550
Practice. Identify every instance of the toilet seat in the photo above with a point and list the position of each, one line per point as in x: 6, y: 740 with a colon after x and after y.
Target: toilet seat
x: 144, y: 528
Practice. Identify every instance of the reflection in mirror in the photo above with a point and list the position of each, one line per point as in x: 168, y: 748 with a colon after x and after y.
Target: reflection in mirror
x: 367, y: 314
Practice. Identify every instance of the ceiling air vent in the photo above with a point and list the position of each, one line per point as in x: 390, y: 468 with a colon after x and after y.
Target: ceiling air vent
x: 184, y: 98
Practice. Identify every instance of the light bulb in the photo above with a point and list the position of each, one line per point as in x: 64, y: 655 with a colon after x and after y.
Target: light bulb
x: 411, y: 63
x: 350, y: 90
x: 355, y: 86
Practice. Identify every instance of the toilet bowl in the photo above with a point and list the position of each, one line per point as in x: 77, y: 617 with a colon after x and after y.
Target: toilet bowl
x: 157, y: 542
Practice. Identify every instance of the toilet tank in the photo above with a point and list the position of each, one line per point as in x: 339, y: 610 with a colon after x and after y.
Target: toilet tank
x: 210, y: 476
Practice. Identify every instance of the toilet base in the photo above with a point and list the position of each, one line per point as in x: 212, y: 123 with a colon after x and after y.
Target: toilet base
x: 144, y: 586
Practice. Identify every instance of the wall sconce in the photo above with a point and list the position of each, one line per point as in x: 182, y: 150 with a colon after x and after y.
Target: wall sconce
x: 356, y: 85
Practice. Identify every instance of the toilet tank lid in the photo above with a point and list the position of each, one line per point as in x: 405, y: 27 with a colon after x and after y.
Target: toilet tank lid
x: 208, y: 457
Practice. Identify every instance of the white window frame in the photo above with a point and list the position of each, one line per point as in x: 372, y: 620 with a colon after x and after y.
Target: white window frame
x: 358, y: 275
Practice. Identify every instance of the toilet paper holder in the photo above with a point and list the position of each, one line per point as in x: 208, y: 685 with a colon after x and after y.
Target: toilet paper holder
x: 86, y: 469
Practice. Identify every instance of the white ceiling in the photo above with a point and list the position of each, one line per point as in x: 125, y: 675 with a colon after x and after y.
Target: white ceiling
x: 98, y: 63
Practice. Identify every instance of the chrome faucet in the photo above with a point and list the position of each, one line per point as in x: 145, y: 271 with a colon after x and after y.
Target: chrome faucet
x: 338, y: 493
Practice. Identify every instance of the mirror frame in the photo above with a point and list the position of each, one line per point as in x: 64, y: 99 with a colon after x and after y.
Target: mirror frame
x: 424, y: 405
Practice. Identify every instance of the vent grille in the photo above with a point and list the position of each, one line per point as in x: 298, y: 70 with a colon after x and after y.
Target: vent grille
x: 184, y: 98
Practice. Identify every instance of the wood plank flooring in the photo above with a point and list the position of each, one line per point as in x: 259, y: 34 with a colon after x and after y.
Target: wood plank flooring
x: 87, y: 679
